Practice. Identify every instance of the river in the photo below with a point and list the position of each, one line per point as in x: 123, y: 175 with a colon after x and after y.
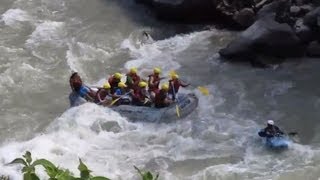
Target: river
x: 43, y: 41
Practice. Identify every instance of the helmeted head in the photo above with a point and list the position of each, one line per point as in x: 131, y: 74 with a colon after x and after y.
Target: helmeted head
x: 122, y: 85
x: 165, y: 87
x: 133, y: 70
x: 270, y: 122
x: 106, y: 85
x: 156, y: 70
x: 175, y: 76
x: 142, y: 84
x: 117, y: 75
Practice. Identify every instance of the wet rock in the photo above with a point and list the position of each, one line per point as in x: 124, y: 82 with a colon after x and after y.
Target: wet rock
x: 313, y: 49
x: 304, y: 33
x: 268, y: 10
x: 183, y: 10
x: 245, y: 17
x: 306, y: 8
x: 266, y: 37
x: 312, y: 18
x: 295, y: 10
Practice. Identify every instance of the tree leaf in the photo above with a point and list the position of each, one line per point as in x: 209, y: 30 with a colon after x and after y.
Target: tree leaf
x: 85, y: 174
x: 82, y: 166
x: 28, y: 157
x: 34, y: 176
x: 18, y: 161
x: 147, y: 176
x: 44, y: 163
x: 99, y: 178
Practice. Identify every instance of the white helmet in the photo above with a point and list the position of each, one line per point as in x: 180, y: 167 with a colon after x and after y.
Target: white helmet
x: 271, y: 122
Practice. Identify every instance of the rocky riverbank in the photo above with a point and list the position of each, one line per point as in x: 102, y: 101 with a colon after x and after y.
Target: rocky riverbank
x: 273, y: 28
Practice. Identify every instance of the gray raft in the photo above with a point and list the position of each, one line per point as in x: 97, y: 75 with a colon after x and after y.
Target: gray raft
x: 186, y: 102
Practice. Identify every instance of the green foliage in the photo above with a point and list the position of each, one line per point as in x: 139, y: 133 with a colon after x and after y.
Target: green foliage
x: 146, y: 175
x: 56, y: 173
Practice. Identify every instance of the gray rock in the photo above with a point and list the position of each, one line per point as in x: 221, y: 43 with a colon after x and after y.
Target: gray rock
x: 313, y: 49
x: 266, y: 37
x: 305, y: 34
x: 306, y: 8
x: 311, y: 19
x: 245, y: 17
x: 295, y: 10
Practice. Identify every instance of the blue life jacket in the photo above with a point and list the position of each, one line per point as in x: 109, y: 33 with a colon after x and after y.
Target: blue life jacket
x: 83, y: 91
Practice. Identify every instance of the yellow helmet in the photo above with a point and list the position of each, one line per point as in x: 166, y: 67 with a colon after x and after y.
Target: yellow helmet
x: 175, y: 76
x: 142, y: 84
x: 165, y: 87
x: 134, y: 70
x: 122, y: 85
x: 106, y: 86
x: 117, y: 75
x: 157, y: 70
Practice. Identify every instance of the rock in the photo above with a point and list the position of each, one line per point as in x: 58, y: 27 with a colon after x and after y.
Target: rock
x: 245, y: 17
x: 313, y: 49
x: 183, y: 10
x: 295, y: 10
x: 306, y: 8
x: 238, y: 50
x: 311, y: 19
x: 304, y: 33
x: 268, y: 10
x: 266, y: 37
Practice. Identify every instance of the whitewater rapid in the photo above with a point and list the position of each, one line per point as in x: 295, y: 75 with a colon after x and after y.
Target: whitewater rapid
x: 43, y: 41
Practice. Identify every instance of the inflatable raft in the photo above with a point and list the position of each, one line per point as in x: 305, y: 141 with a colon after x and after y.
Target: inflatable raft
x: 187, y: 103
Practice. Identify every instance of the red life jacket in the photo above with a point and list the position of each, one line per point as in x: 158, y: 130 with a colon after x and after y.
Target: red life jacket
x: 135, y: 79
x: 113, y: 83
x: 154, y: 85
x: 159, y: 99
x: 174, y: 85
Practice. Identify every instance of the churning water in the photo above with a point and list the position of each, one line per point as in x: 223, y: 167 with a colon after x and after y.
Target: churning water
x: 43, y: 41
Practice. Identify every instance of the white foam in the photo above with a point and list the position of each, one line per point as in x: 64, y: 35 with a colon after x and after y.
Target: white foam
x: 51, y: 32
x: 161, y: 53
x: 13, y: 16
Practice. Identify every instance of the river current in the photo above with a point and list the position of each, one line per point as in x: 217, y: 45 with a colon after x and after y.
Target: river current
x: 43, y: 41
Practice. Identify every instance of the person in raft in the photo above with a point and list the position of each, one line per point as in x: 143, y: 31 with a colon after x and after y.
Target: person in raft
x: 104, y: 96
x: 153, y: 82
x: 161, y: 99
x: 133, y: 78
x: 174, y: 84
x: 140, y: 96
x: 114, y: 80
x: 82, y: 90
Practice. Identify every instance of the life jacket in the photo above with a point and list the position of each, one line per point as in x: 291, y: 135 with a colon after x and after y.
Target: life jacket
x: 132, y: 80
x: 103, y: 94
x: 174, y: 85
x: 113, y: 83
x: 160, y: 98
x: 154, y: 85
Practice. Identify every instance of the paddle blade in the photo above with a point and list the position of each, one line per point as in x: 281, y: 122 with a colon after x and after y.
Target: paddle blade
x: 178, y: 111
x: 114, y: 101
x: 204, y: 90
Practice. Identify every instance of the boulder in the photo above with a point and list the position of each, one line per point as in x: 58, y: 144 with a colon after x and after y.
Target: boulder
x: 245, y: 17
x: 304, y: 32
x: 312, y: 18
x: 313, y: 49
x: 265, y: 37
x: 183, y: 10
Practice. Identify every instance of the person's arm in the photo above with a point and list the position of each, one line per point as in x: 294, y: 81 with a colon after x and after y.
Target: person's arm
x: 183, y: 84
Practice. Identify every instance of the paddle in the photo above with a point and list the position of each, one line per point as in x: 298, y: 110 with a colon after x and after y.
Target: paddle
x: 202, y: 89
x: 116, y: 100
x: 177, y: 103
